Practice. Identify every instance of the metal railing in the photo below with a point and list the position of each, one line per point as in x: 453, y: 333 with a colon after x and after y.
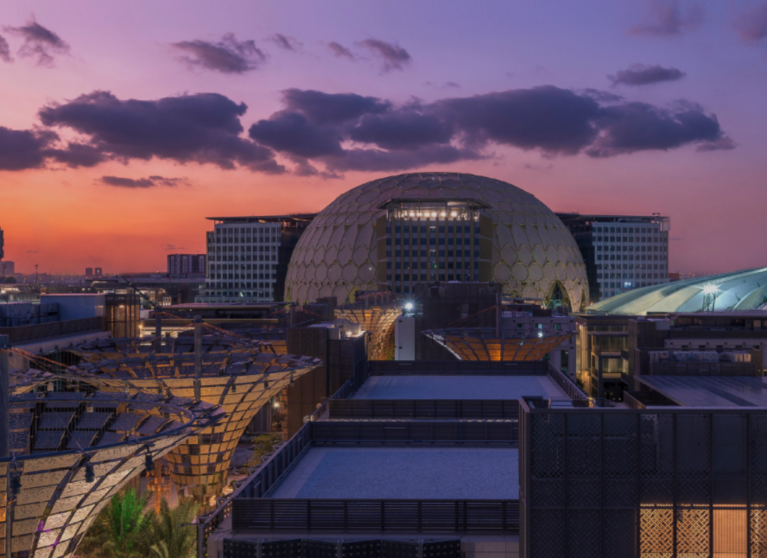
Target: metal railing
x: 39, y: 332
x: 374, y: 516
x: 568, y: 386
x: 423, y: 409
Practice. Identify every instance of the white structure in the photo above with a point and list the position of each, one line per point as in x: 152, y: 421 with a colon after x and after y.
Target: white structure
x: 242, y: 261
x: 404, y: 338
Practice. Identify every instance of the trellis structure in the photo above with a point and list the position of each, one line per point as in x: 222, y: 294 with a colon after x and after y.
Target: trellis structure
x: 72, y: 452
x: 484, y: 344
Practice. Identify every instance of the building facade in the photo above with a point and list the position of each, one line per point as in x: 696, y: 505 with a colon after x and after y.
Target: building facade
x: 184, y: 265
x: 248, y: 257
x: 429, y: 240
x: 621, y: 252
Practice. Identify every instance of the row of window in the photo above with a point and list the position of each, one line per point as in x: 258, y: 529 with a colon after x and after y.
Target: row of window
x: 423, y: 228
x: 219, y: 267
x: 435, y: 265
x: 267, y: 288
x: 632, y: 257
x: 424, y: 277
x: 435, y: 241
x: 432, y: 253
x: 640, y: 239
x: 661, y: 266
x: 221, y: 276
x: 653, y: 275
x: 216, y: 240
x: 245, y: 258
x: 631, y: 249
x: 224, y: 249
x: 633, y: 229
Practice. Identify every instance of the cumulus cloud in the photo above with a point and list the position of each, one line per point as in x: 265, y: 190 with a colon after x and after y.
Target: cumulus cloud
x: 201, y: 128
x: 228, y: 56
x: 39, y: 42
x: 23, y: 149
x: 392, y: 56
x: 668, y: 18
x: 141, y: 183
x: 348, y: 132
x: 640, y: 74
x: 340, y: 51
x: 5, y: 50
x: 751, y: 26
x: 286, y: 43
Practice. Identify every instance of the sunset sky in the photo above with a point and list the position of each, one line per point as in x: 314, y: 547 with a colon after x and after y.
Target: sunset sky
x: 123, y: 125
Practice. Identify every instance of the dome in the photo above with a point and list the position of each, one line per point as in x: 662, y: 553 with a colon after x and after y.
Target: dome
x: 735, y: 291
x: 533, y: 253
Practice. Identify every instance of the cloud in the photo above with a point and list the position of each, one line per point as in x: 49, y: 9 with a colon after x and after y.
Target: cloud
x: 200, y: 128
x: 39, y: 42
x: 228, y: 56
x: 640, y: 74
x: 334, y: 108
x: 171, y: 247
x: 138, y: 183
x: 340, y: 51
x: 23, y: 149
x: 77, y: 155
x: 668, y: 18
x: 348, y: 132
x: 286, y: 43
x: 751, y: 26
x: 5, y: 50
x: 393, y: 57
x: 723, y: 143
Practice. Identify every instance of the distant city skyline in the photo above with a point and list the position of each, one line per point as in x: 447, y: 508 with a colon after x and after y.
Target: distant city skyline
x: 120, y: 134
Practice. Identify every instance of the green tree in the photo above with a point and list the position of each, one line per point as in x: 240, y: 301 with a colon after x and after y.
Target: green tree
x: 172, y: 536
x: 121, y: 530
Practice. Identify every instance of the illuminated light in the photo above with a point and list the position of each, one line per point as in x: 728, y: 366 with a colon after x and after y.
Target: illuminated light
x: 276, y: 404
x: 408, y: 306
x: 710, y: 289
x: 540, y: 334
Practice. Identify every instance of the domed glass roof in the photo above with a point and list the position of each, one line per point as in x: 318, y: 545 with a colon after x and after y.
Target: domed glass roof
x: 532, y: 251
x: 740, y: 290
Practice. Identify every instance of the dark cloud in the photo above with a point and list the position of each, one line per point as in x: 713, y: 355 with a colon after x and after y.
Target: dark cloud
x: 292, y: 133
x: 634, y: 127
x: 347, y: 132
x: 639, y: 74
x: 723, y: 143
x: 228, y: 56
x: 141, y: 183
x: 340, y: 51
x: 23, y: 149
x: 751, y: 26
x: 201, y: 128
x: 393, y: 57
x: 39, y: 42
x: 5, y: 50
x: 668, y: 17
x: 332, y: 108
x: 402, y: 129
x: 286, y: 43
x: 77, y: 155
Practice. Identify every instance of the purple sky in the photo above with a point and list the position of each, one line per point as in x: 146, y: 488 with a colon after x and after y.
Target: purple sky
x: 592, y: 106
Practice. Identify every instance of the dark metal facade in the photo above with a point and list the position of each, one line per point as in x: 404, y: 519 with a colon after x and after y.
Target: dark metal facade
x: 665, y: 483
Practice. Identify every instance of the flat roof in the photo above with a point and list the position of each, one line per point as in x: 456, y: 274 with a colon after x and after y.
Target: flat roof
x: 710, y: 391
x: 459, y: 387
x: 404, y: 473
x: 265, y: 218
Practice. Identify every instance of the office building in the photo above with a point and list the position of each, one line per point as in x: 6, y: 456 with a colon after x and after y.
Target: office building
x: 248, y: 257
x: 7, y: 270
x: 98, y: 272
x: 88, y: 272
x: 399, y: 231
x: 2, y: 244
x: 186, y: 265
x: 621, y: 252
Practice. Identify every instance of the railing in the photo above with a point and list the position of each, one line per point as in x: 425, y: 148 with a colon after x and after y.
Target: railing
x: 422, y: 409
x: 381, y: 433
x: 375, y: 516
x: 24, y: 334
x: 568, y: 386
x: 457, y: 367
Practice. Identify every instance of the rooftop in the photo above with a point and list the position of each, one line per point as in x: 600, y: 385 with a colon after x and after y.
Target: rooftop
x: 459, y: 387
x: 710, y: 391
x: 404, y: 473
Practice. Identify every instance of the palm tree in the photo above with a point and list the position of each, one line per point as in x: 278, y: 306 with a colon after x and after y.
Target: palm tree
x: 172, y: 534
x: 121, y: 530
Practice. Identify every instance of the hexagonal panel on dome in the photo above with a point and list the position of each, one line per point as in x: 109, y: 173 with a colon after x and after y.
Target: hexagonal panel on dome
x: 525, y: 232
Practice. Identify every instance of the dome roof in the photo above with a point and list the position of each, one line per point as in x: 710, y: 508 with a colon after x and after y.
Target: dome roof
x: 532, y: 251
x: 740, y: 290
